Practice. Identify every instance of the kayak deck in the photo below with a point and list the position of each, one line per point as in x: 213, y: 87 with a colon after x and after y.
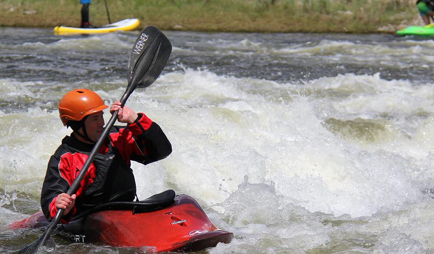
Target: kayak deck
x: 123, y: 25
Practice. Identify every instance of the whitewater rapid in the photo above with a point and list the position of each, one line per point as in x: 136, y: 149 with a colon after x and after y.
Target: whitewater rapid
x: 326, y: 161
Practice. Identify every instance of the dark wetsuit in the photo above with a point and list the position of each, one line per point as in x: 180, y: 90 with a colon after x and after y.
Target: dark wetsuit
x: 85, y: 14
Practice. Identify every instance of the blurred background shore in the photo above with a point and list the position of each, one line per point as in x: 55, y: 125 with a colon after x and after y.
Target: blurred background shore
x: 288, y: 16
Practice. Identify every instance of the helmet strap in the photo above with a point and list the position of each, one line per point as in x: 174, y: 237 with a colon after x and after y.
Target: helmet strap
x: 77, y: 125
x: 85, y: 136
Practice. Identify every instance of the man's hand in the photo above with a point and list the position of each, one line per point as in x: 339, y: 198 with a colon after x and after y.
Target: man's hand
x: 64, y: 201
x: 125, y: 114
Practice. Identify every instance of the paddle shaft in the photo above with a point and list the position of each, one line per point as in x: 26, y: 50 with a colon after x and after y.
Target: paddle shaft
x: 107, y: 10
x: 86, y: 166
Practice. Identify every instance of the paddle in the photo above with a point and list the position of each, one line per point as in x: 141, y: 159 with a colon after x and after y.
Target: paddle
x: 107, y: 10
x: 148, y: 58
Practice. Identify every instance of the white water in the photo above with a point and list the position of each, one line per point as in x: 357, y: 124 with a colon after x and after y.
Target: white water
x: 337, y: 164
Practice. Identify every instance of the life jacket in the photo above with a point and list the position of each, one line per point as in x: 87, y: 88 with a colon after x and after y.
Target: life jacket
x: 114, y: 181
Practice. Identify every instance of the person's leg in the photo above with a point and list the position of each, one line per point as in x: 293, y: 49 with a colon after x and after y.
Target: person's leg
x: 425, y: 19
x: 431, y: 17
x: 424, y: 11
x: 85, y: 14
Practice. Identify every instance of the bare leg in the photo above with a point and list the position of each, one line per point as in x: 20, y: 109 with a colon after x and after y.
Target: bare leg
x: 426, y: 19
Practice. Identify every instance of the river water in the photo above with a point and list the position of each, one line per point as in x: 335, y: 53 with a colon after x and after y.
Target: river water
x: 296, y: 143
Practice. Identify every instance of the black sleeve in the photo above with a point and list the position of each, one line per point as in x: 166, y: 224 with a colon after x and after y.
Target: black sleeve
x: 155, y: 144
x: 53, y: 185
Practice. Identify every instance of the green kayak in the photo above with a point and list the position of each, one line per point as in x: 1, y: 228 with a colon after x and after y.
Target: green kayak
x: 427, y: 30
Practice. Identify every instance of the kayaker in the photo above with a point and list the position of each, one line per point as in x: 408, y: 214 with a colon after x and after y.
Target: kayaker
x: 85, y: 14
x: 109, y: 178
x: 426, y: 10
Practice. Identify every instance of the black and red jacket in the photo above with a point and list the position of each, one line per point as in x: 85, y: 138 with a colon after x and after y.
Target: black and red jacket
x: 109, y: 177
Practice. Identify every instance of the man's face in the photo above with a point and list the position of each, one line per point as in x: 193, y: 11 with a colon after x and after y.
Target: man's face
x: 94, y: 125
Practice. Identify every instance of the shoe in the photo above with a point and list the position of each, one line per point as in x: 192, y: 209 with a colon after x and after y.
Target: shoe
x: 86, y: 25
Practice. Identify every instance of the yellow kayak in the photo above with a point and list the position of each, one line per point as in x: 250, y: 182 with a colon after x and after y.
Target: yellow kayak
x: 123, y: 25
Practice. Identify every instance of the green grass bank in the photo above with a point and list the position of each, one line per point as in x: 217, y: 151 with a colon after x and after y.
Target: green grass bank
x: 319, y: 16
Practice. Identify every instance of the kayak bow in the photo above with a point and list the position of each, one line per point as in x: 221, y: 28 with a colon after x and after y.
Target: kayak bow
x: 427, y: 30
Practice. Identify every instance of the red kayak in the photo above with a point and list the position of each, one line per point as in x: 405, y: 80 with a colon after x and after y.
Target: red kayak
x: 161, y: 223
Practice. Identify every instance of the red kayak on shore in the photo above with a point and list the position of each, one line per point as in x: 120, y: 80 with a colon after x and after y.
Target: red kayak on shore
x: 161, y: 223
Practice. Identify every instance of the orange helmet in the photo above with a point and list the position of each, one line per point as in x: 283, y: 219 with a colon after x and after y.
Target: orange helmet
x: 78, y: 103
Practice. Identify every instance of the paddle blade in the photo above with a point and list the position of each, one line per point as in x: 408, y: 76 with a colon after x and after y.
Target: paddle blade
x: 34, y: 247
x: 149, y: 56
x: 30, y: 249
